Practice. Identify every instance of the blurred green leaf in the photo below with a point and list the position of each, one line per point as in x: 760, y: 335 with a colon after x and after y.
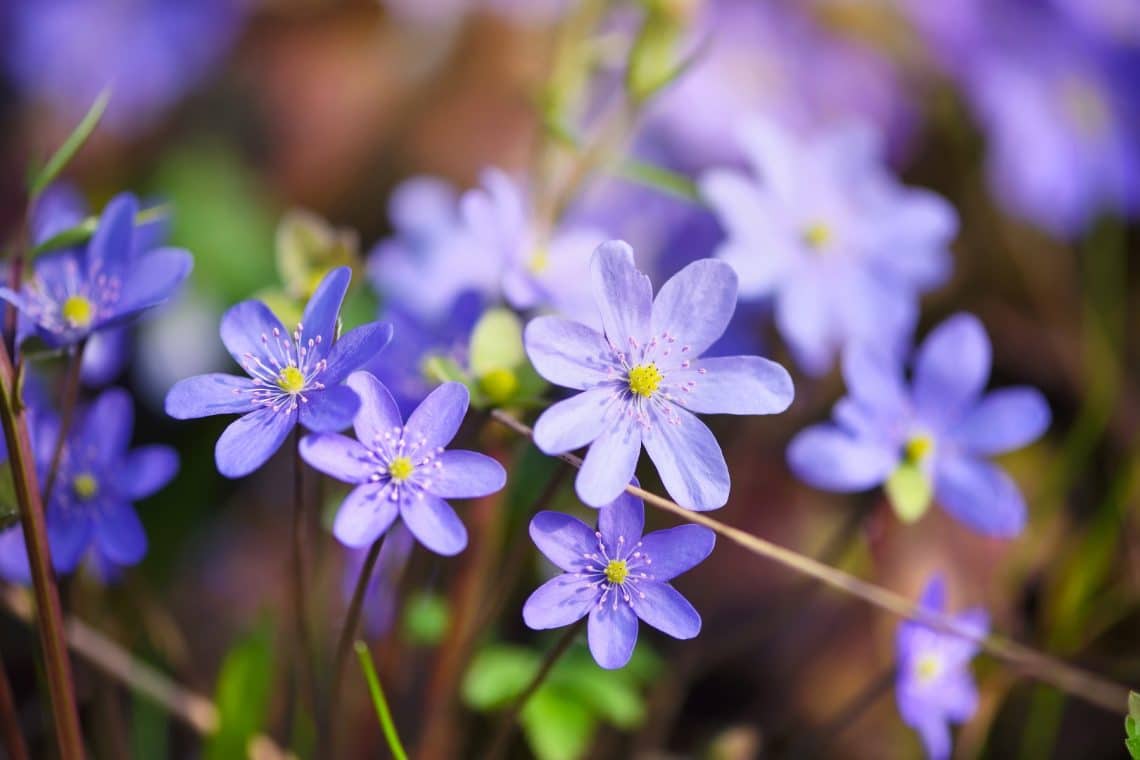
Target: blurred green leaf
x: 83, y: 231
x: 497, y: 675
x: 383, y: 714
x: 62, y: 157
x: 611, y: 694
x: 9, y: 507
x: 909, y: 491
x: 308, y: 247
x: 149, y: 728
x: 244, y: 685
x: 496, y: 342
x: 444, y: 369
x: 1134, y: 705
x: 557, y: 726
x: 426, y: 618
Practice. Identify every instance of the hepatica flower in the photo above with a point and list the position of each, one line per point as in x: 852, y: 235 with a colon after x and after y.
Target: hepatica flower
x: 616, y: 576
x: 403, y: 469
x: 643, y: 378
x: 824, y: 231
x: 934, y: 687
x: 930, y: 437
x: 73, y: 294
x: 293, y: 376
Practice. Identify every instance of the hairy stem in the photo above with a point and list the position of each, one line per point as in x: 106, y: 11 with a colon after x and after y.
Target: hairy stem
x: 67, y: 403
x: 306, y: 649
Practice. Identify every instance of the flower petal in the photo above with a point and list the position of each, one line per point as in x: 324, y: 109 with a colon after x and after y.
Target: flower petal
x: 981, y: 495
x: 247, y: 327
x: 874, y: 378
x: 695, y: 305
x: 1004, y: 420
x: 733, y: 385
x: 575, y: 422
x: 329, y: 410
x: 69, y: 534
x: 146, y: 471
x: 621, y: 522
x: 662, y: 606
x: 676, y: 550
x: 466, y: 475
x: 337, y: 456
x: 434, y: 523
x: 567, y: 353
x: 110, y: 246
x: 323, y: 308
x: 563, y: 539
x: 829, y: 458
x: 14, y: 566
x: 378, y: 413
x: 120, y: 535
x: 562, y: 600
x: 354, y: 349
x: 366, y: 513
x: 207, y: 395
x: 152, y: 279
x: 110, y: 420
x: 438, y: 417
x: 951, y: 368
x: 623, y: 294
x: 612, y: 632
x: 609, y: 463
x: 688, y: 459
x: 804, y: 318
x: 249, y: 441
x: 935, y: 734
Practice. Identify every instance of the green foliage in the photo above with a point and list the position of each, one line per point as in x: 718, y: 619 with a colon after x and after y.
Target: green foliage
x: 1132, y: 726
x: 910, y: 492
x: 9, y: 507
x: 83, y: 231
x: 383, y: 714
x: 63, y: 155
x: 308, y: 247
x: 150, y: 726
x: 242, y: 697
x: 655, y: 61
x: 426, y: 618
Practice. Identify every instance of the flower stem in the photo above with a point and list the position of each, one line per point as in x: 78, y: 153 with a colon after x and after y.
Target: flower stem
x: 68, y: 401
x: 395, y: 746
x: 507, y: 724
x: 13, y: 738
x: 305, y: 645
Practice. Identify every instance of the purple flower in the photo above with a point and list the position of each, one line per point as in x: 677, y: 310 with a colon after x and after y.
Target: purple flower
x: 939, y: 426
x: 643, y: 379
x: 934, y: 686
x: 293, y: 377
x: 825, y: 231
x: 98, y: 480
x: 380, y: 600
x: 73, y: 294
x: 616, y: 576
x: 403, y: 469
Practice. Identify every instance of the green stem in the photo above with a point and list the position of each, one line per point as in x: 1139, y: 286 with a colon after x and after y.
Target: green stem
x: 379, y: 702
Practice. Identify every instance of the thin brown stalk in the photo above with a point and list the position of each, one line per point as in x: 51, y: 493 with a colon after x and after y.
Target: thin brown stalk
x: 13, y: 738
x: 306, y: 646
x: 68, y: 401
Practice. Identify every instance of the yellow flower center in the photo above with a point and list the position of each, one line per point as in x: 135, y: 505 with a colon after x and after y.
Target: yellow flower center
x: 539, y: 261
x: 401, y: 469
x: 85, y: 486
x: 927, y: 668
x: 918, y: 448
x: 291, y: 380
x: 78, y: 311
x: 617, y: 571
x: 644, y: 379
x: 499, y: 384
x: 817, y: 235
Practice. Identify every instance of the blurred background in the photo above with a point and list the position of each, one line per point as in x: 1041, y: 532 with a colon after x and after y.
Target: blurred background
x: 274, y: 132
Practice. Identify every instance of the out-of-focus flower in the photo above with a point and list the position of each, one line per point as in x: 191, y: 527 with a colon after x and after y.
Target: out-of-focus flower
x: 1111, y: 20
x: 97, y: 482
x: 293, y: 377
x: 831, y: 236
x: 644, y: 377
x: 440, y: 11
x: 380, y: 600
x: 73, y: 294
x: 928, y: 438
x: 615, y: 576
x: 149, y: 52
x: 403, y: 469
x: 934, y: 687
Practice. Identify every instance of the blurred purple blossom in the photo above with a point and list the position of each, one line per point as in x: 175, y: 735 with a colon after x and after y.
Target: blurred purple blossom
x: 939, y: 422
x: 643, y: 378
x: 380, y: 600
x: 615, y: 576
x: 440, y: 11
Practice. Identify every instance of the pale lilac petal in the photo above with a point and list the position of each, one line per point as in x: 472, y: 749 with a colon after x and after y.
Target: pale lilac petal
x: 366, y: 513
x: 330, y: 410
x: 338, y: 456
x: 732, y: 385
x: 578, y: 420
x: 466, y: 475
x: 828, y: 458
x: 146, y: 470
x: 1004, y: 420
x: 438, y: 417
x: 323, y: 309
x: 249, y: 441
x: 562, y: 600
x: 874, y: 378
x: 434, y: 523
x: 623, y: 294
x: 151, y: 279
x: 609, y: 463
x: 379, y: 415
x: 69, y: 535
x: 567, y: 353
x: 803, y: 316
x: 207, y: 395
x: 695, y: 306
x: 111, y: 244
x: 247, y: 327
x: 676, y: 550
x: 688, y: 459
x: 958, y: 696
x: 951, y: 368
x: 662, y: 606
x: 621, y: 523
x: 110, y: 420
x: 612, y: 632
x: 935, y: 734
x: 563, y: 539
x: 981, y: 495
x: 354, y: 349
x: 119, y: 534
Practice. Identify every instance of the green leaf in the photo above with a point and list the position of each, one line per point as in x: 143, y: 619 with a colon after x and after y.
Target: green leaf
x: 83, y: 231
x: 497, y: 675
x: 444, y: 369
x: 496, y: 342
x: 243, y: 690
x: 383, y: 714
x: 9, y: 507
x: 1134, y: 706
x: 426, y: 618
x: 910, y: 492
x: 557, y: 726
x: 71, y: 145
x: 308, y: 247
x: 1133, y: 747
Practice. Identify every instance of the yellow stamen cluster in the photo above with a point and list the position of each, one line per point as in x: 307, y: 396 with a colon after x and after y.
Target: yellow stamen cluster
x: 617, y: 571
x: 817, y: 235
x: 77, y: 311
x: 918, y: 448
x: 539, y: 261
x: 927, y: 668
x: 644, y: 379
x: 85, y: 486
x: 291, y: 380
x: 400, y: 469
